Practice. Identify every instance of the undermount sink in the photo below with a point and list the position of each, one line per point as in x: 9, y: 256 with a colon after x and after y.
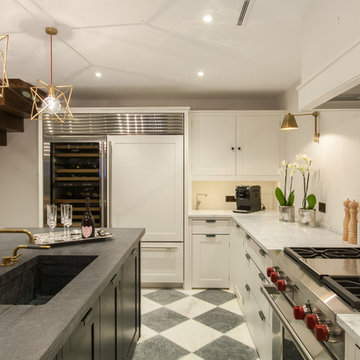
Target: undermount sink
x: 37, y: 280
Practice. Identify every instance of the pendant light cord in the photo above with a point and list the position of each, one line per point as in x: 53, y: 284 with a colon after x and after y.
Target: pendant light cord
x: 51, y: 61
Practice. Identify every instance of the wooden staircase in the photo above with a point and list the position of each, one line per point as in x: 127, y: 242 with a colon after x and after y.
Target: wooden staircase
x: 14, y: 107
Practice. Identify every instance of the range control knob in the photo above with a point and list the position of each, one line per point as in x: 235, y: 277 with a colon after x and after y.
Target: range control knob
x: 281, y: 285
x: 321, y: 332
x: 311, y: 320
x: 274, y: 276
x: 269, y: 270
x: 299, y: 312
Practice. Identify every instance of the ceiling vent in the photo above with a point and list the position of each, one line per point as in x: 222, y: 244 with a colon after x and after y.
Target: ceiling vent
x: 244, y: 12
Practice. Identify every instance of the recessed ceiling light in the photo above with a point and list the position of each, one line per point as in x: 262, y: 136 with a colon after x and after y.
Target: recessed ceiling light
x: 200, y: 74
x: 208, y: 18
x: 98, y: 74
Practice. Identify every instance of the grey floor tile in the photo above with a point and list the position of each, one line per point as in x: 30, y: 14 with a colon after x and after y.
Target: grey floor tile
x: 158, y: 348
x: 220, y: 319
x: 226, y: 348
x: 165, y: 296
x: 162, y: 319
x: 216, y: 297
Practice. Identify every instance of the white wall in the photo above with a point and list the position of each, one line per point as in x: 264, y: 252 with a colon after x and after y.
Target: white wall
x: 336, y: 171
x: 19, y: 178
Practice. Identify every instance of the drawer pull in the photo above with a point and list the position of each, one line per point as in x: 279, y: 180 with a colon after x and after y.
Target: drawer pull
x: 262, y: 252
x: 247, y: 287
x: 261, y: 315
x: 210, y: 235
x: 247, y: 256
x: 210, y: 220
x: 238, y: 226
x: 262, y: 276
x: 248, y: 236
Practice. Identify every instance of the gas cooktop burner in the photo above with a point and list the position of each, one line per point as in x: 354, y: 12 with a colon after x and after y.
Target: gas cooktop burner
x: 323, y: 253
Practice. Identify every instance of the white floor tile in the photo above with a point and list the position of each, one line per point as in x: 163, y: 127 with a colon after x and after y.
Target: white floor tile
x: 191, y: 292
x: 232, y: 305
x: 148, y: 305
x: 192, y: 357
x: 191, y: 335
x: 145, y: 291
x: 241, y: 333
x: 146, y: 333
x: 190, y: 306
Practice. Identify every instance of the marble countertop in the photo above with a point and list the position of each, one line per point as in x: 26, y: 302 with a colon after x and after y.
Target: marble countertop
x: 38, y: 332
x: 271, y: 234
x: 351, y: 324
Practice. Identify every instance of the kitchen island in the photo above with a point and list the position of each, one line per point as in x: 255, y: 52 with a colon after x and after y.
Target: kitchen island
x: 44, y: 331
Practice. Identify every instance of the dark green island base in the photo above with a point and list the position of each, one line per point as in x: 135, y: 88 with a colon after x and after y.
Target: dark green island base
x: 94, y: 316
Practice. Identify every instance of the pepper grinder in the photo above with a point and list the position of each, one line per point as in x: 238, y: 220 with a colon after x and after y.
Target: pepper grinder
x: 352, y: 238
x: 346, y: 220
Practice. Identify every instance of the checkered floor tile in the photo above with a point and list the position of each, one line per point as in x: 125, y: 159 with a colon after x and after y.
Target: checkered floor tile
x: 193, y: 325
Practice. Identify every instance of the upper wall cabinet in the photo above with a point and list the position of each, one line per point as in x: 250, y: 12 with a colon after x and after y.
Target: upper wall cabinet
x: 235, y: 145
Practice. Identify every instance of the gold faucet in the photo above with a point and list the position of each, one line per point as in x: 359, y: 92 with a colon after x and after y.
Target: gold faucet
x: 14, y: 231
x: 9, y: 260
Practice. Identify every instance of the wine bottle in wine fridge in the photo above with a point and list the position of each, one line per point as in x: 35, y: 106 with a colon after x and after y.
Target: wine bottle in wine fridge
x: 87, y: 223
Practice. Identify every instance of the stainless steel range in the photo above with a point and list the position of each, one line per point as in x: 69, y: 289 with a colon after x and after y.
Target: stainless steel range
x: 312, y: 285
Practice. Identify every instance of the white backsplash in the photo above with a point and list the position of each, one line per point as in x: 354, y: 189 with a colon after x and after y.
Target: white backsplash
x: 217, y: 190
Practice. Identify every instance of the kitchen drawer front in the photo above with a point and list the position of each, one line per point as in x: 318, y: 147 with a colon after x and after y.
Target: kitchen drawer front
x: 162, y: 262
x: 258, y: 254
x: 259, y: 327
x: 211, y: 226
x: 210, y: 261
x: 255, y: 280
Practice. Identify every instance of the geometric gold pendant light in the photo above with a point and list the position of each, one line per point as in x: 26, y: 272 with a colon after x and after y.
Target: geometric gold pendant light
x: 55, y: 103
x: 4, y: 82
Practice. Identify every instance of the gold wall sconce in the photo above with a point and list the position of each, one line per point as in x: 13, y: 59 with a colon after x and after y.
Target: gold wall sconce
x: 289, y: 123
x: 4, y: 82
x: 56, y: 103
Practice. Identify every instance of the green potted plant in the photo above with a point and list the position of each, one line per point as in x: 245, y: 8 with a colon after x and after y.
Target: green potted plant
x: 307, y: 213
x: 286, y: 196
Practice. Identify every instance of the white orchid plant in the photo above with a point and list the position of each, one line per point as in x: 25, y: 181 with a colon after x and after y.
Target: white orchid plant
x: 305, y: 172
x: 288, y: 171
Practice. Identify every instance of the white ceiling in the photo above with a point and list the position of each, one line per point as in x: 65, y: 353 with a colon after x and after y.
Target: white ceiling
x: 154, y: 48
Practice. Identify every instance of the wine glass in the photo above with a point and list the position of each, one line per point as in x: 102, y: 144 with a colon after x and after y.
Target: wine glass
x: 66, y: 218
x: 51, y: 218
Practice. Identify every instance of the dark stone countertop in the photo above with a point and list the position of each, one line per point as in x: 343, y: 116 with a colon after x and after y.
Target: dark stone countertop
x: 30, y: 332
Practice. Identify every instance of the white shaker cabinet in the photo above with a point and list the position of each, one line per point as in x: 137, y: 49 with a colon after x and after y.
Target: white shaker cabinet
x: 235, y: 145
x: 210, y: 253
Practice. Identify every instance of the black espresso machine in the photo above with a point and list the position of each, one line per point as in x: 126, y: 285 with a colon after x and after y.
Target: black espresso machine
x: 248, y: 198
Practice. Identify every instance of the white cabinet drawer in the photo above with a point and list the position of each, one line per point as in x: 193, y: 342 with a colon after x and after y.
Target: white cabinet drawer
x: 259, y: 255
x: 210, y: 262
x: 211, y: 226
x: 162, y: 262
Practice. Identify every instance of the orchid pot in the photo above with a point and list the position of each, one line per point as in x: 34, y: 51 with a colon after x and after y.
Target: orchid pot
x: 287, y: 213
x: 307, y: 217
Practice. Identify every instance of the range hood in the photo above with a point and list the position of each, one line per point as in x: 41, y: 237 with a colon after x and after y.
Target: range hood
x: 349, y: 99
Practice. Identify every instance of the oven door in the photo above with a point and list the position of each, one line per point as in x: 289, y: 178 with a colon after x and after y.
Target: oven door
x: 291, y: 338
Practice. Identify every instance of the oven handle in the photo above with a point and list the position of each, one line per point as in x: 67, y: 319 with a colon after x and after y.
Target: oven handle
x: 269, y: 289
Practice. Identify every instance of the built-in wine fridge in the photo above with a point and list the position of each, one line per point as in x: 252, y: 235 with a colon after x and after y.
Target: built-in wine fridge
x: 75, y: 169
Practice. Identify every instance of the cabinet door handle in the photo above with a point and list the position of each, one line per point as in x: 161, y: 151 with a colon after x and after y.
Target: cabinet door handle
x: 133, y: 252
x: 239, y: 148
x: 262, y: 276
x: 261, y: 315
x: 262, y: 252
x: 88, y: 317
x: 210, y: 220
x: 210, y: 235
x: 247, y: 287
x: 247, y: 256
x: 248, y: 236
x: 232, y: 148
x: 115, y: 279
x: 238, y: 226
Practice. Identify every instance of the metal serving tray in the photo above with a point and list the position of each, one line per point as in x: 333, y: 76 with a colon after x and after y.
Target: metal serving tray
x: 75, y: 238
